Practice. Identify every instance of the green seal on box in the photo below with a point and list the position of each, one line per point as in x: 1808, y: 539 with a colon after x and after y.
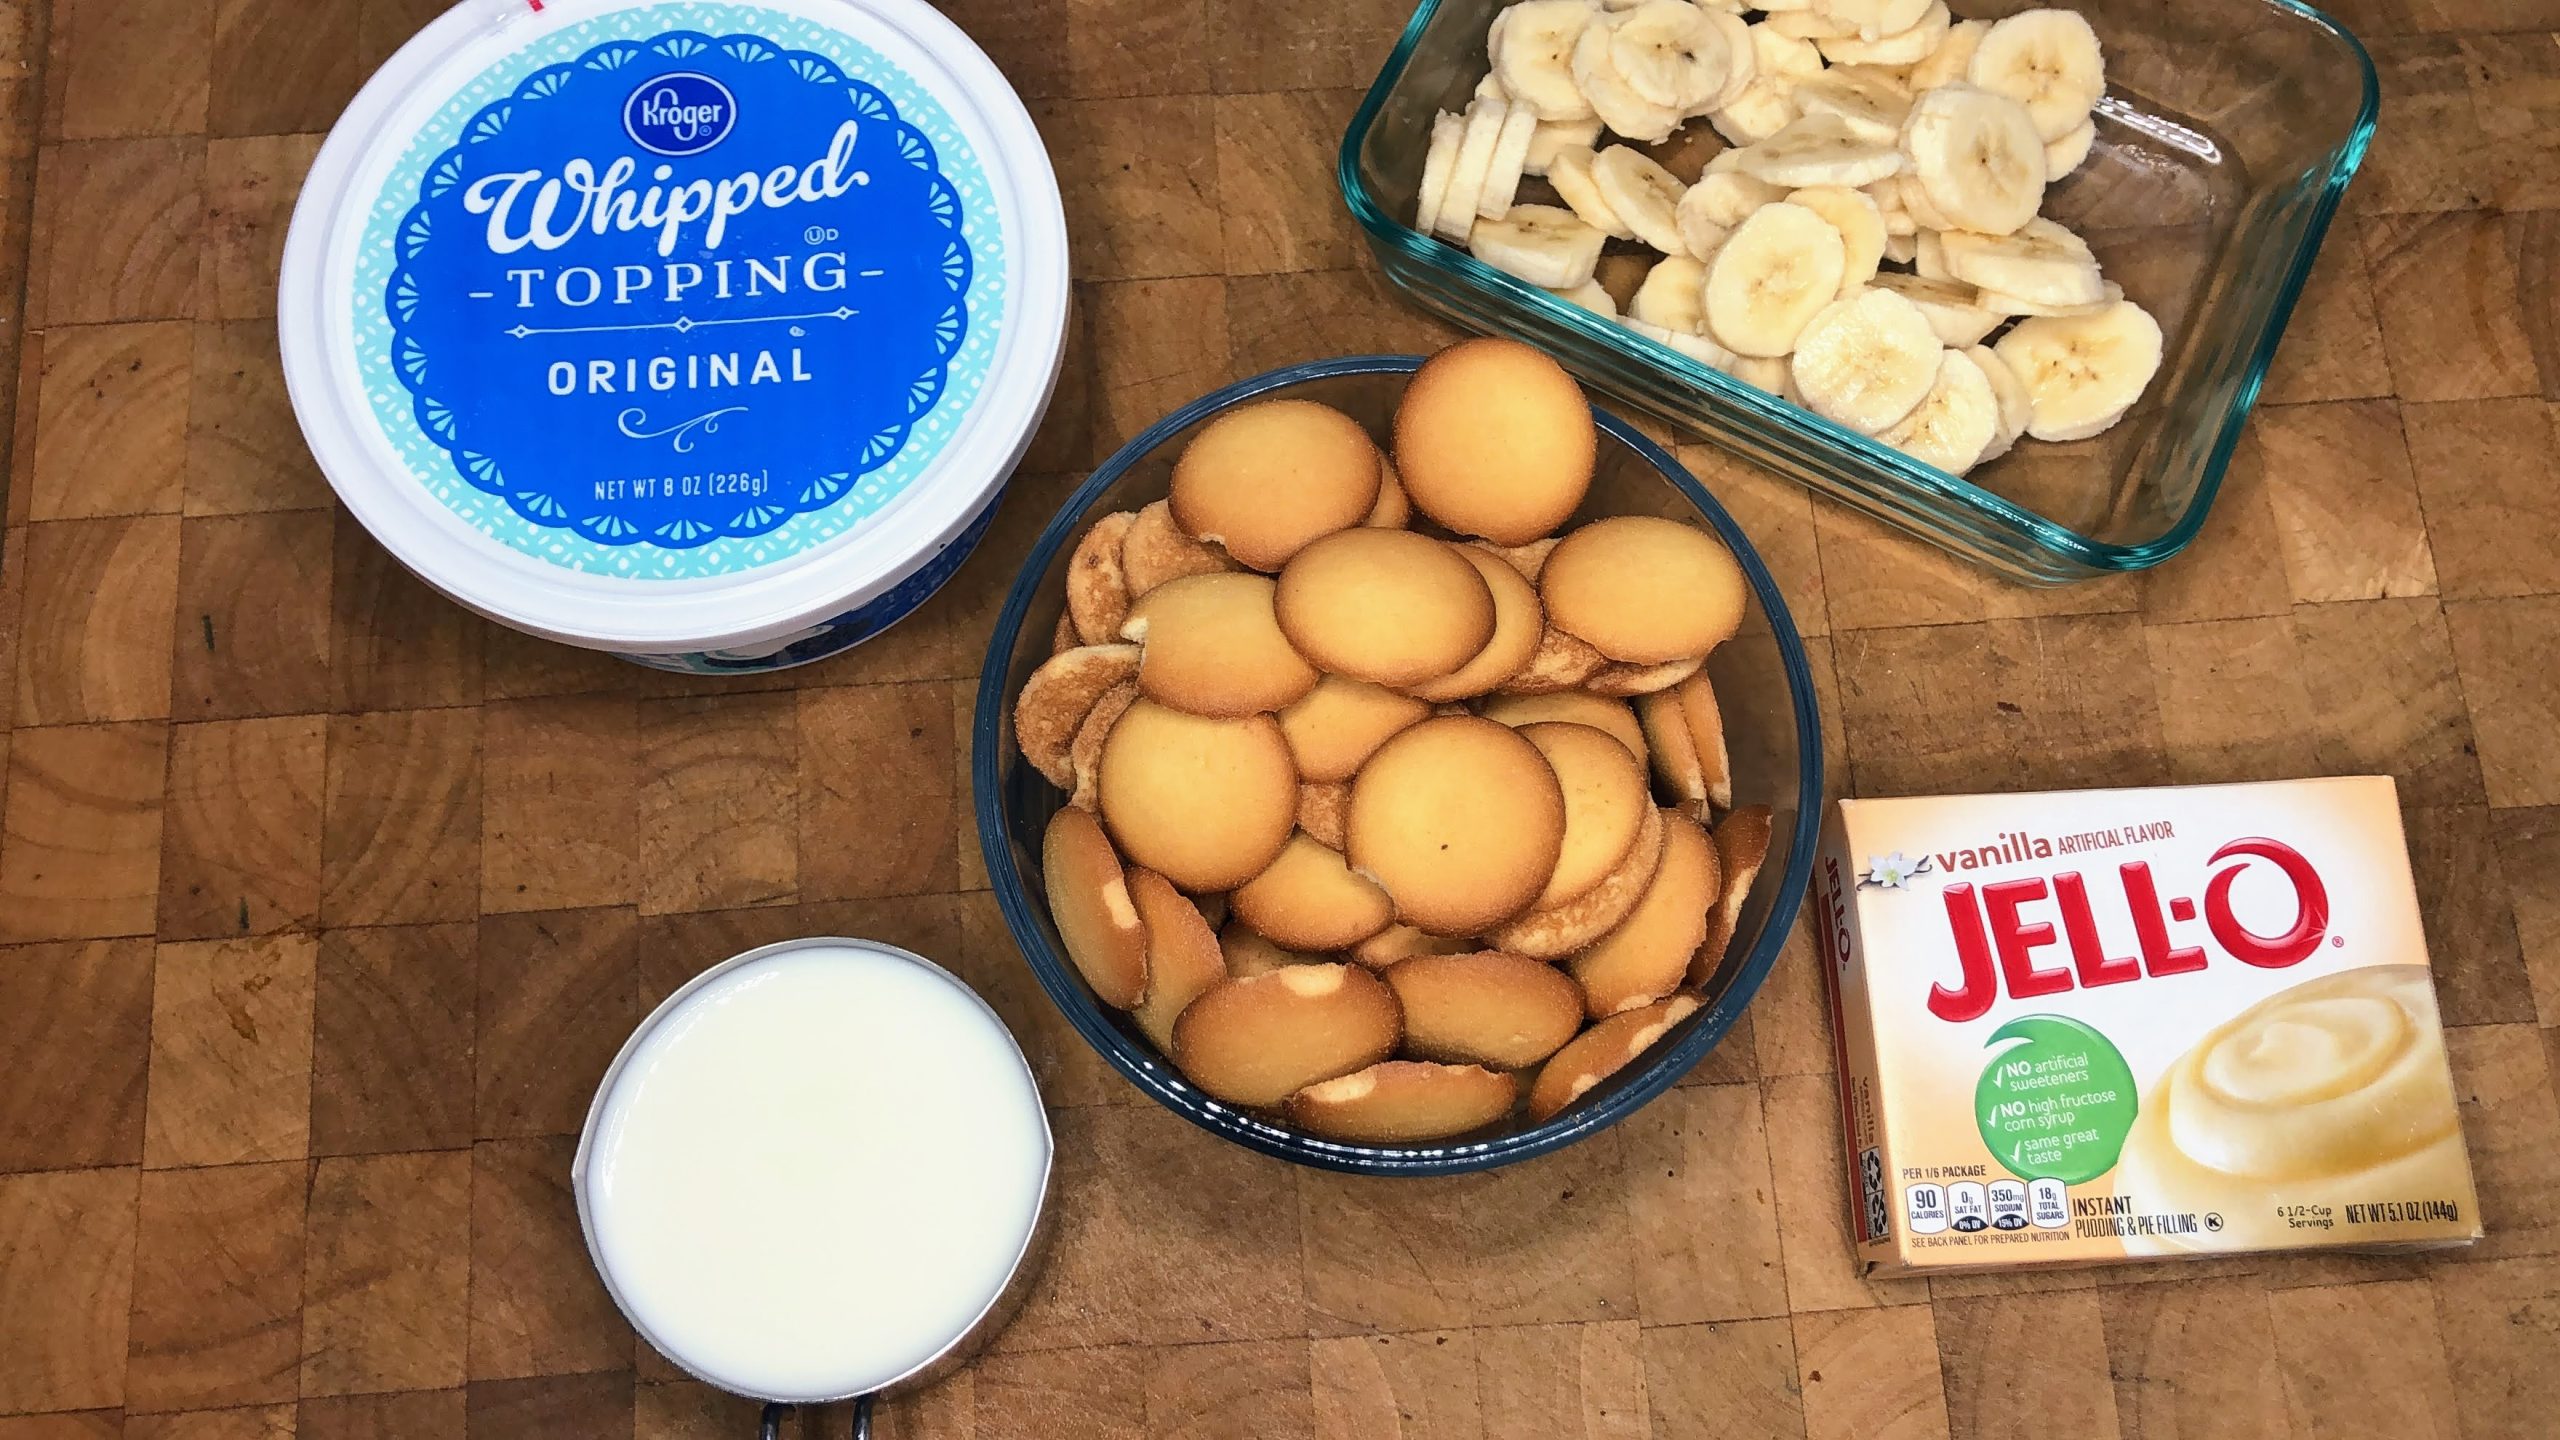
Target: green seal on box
x: 2057, y: 1106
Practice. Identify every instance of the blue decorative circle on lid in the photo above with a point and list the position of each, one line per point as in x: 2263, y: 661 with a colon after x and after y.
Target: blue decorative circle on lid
x: 683, y: 112
x: 674, y: 302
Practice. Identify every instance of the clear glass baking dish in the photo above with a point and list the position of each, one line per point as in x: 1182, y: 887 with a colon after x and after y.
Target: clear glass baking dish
x: 2228, y: 132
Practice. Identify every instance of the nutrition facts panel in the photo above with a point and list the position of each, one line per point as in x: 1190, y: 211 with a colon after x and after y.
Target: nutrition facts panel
x: 1969, y: 1205
x: 1929, y: 1209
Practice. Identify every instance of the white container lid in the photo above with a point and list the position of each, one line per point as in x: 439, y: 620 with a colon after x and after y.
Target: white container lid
x: 653, y: 325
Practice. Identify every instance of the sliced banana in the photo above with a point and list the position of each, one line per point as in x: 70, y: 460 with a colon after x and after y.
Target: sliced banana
x: 1447, y: 132
x: 1861, y: 225
x: 2015, y: 408
x: 2069, y: 153
x: 1820, y: 150
x: 1510, y: 161
x: 1860, y: 133
x: 1697, y: 347
x: 1642, y: 194
x: 1867, y: 361
x: 1616, y: 102
x: 1570, y: 172
x: 1977, y: 157
x: 1784, y: 58
x: 1769, y: 373
x: 1591, y: 295
x: 1811, y: 24
x: 1701, y: 236
x: 1542, y: 244
x: 1535, y: 58
x: 2047, y: 61
x: 1728, y: 197
x: 1779, y: 269
x: 2083, y: 372
x: 1704, y: 350
x: 1909, y: 46
x: 1948, y: 62
x: 1760, y: 111
x: 1673, y: 295
x: 1555, y: 136
x: 1475, y: 164
x: 1742, y: 59
x: 1875, y: 19
x: 1670, y: 53
x: 1955, y: 422
x: 2042, y: 264
x: 1915, y: 203
x: 1866, y: 100
x: 1765, y: 106
x: 1888, y: 197
x: 1954, y: 309
x: 2109, y: 292
x: 1896, y: 78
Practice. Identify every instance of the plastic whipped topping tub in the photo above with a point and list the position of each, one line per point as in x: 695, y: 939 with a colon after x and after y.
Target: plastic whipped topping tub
x: 706, y: 334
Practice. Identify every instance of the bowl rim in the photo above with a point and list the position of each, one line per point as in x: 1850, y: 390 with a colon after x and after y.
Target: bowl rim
x: 1910, y: 481
x: 1156, y: 1077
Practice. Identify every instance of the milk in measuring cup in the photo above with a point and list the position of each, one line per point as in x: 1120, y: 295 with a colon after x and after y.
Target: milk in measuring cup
x: 814, y: 1172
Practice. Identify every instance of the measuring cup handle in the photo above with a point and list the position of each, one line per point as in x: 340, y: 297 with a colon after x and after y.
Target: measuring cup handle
x: 770, y: 1426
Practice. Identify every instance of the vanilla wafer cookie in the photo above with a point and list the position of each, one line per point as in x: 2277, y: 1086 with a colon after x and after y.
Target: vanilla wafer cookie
x: 1400, y: 1102
x: 1207, y: 803
x: 1265, y: 479
x: 1602, y: 1051
x: 1259, y: 1039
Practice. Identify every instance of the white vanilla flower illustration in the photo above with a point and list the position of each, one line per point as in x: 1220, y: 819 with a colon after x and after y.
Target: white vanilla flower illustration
x: 1894, y: 871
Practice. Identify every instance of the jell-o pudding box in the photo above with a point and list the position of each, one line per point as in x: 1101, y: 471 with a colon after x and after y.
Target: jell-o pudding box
x: 2103, y: 1025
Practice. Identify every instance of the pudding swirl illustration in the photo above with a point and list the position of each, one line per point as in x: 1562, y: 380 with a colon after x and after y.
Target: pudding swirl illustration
x: 2332, y: 1092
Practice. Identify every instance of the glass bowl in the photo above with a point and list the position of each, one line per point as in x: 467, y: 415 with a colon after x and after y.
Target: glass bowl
x: 2227, y: 134
x: 1761, y: 678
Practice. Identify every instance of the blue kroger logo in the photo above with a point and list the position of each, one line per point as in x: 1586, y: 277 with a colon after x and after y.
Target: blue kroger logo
x: 684, y: 112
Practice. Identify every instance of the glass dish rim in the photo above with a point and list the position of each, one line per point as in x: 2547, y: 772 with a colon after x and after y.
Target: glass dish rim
x: 1155, y: 1077
x: 2093, y: 556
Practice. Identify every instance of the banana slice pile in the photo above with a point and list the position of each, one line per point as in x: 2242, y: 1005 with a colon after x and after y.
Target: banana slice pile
x: 1870, y: 244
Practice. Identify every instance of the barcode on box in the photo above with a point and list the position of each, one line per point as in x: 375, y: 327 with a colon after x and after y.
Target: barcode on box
x: 1871, y: 1191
